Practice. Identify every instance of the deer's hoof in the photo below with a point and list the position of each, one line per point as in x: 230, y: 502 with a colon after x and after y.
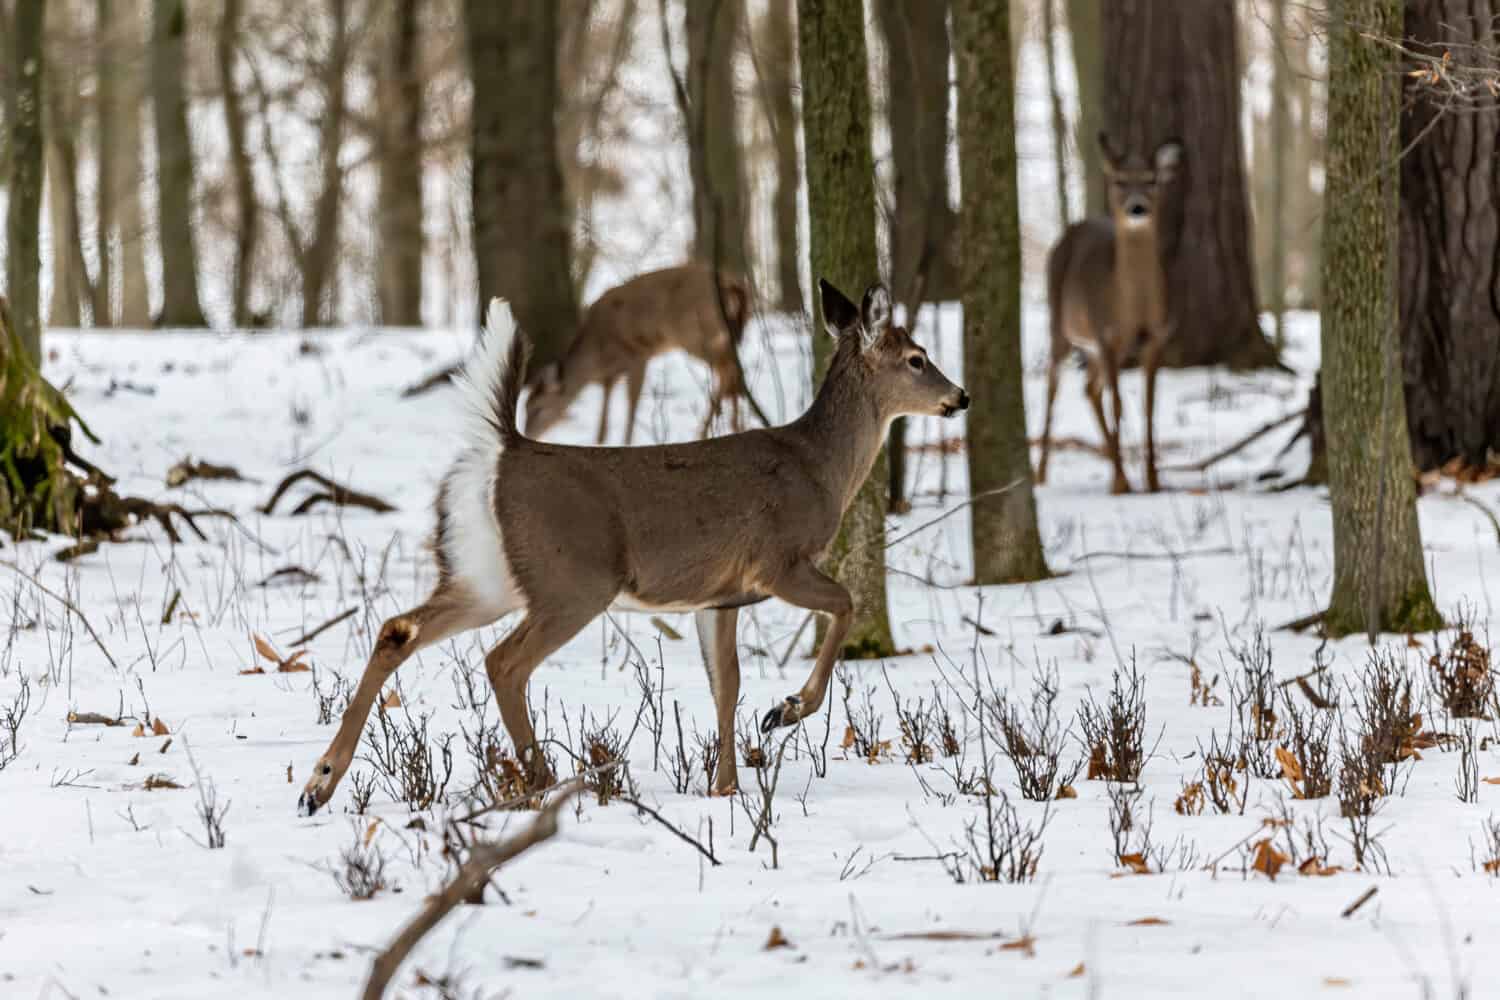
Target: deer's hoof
x: 307, y: 804
x: 317, y: 791
x: 786, y: 714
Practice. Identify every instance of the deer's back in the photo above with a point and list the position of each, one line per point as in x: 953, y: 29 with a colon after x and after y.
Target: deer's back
x: 668, y: 526
x: 674, y: 308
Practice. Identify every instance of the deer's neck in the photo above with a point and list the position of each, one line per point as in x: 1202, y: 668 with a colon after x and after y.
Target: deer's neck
x: 845, y: 427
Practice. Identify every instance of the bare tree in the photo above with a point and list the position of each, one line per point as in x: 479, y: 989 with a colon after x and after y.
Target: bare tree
x: 777, y: 69
x: 399, y: 137
x: 247, y: 206
x: 23, y: 118
x: 713, y: 28
x: 122, y: 219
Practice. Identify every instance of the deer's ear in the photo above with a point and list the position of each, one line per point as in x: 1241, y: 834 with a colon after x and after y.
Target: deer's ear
x: 1168, y: 157
x: 549, y: 377
x: 1111, y: 156
x: 874, y: 315
x: 839, y: 314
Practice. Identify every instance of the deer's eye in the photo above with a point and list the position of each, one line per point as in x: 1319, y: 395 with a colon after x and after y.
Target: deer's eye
x: 916, y: 362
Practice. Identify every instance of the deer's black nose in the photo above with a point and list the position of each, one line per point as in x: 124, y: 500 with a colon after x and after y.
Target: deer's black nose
x: 1137, y: 210
x: 963, y: 400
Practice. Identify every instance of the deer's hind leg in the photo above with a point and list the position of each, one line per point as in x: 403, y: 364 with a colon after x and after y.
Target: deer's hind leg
x: 717, y: 633
x: 511, y: 664
x: 440, y: 617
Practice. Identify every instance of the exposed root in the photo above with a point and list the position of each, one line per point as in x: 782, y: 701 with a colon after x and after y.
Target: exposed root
x: 336, y: 493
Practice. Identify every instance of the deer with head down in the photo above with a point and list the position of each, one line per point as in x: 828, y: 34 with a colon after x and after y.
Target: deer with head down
x: 563, y: 534
x: 675, y: 308
x: 1107, y: 292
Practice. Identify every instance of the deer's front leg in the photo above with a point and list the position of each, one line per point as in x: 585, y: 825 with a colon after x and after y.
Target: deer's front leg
x: 718, y: 629
x: 806, y: 586
x: 1150, y: 361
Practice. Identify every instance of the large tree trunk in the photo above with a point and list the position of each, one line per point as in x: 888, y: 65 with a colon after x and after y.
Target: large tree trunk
x: 1379, y: 582
x: 1084, y: 27
x: 174, y: 172
x: 1007, y: 546
x: 400, y: 137
x: 1171, y: 70
x: 778, y: 67
x: 320, y: 256
x: 924, y: 230
x: 105, y: 97
x: 1450, y: 253
x: 247, y: 207
x: 37, y: 492
x: 841, y: 199
x: 713, y: 135
x: 522, y: 233
x: 121, y: 101
x: 23, y: 220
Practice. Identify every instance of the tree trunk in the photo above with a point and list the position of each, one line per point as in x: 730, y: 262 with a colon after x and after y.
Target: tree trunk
x: 105, y: 98
x: 841, y: 198
x: 174, y: 174
x: 65, y: 308
x: 1379, y: 581
x: 1279, y: 154
x: 778, y: 66
x: 713, y: 136
x: 400, y: 136
x: 23, y: 220
x: 247, y: 207
x: 1007, y: 546
x: 1450, y: 253
x: 320, y: 258
x: 924, y: 229
x: 522, y: 233
x: 1059, y: 117
x: 37, y: 492
x: 121, y: 23
x: 1084, y: 27
x: 1171, y: 70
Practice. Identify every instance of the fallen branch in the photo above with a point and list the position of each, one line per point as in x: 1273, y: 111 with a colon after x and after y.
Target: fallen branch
x: 304, y: 639
x: 188, y: 470
x: 1353, y: 907
x: 484, y: 858
x: 438, y: 378
x: 1239, y: 446
x: 336, y: 494
x: 706, y: 852
x: 1306, y: 621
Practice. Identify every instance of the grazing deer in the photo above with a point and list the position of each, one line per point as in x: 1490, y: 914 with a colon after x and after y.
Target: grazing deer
x: 565, y: 533
x: 1108, y: 295
x: 629, y: 325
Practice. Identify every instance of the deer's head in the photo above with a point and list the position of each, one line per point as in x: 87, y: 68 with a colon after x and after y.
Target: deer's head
x: 900, y: 375
x: 1135, y: 183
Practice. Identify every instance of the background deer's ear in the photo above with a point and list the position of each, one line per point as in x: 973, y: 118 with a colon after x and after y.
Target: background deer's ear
x: 1111, y: 155
x: 1167, y: 158
x: 874, y: 315
x: 839, y: 314
x: 549, y: 376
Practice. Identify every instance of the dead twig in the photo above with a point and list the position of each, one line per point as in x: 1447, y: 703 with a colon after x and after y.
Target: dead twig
x: 307, y: 637
x: 1203, y: 464
x: 441, y: 377
x: 67, y: 604
x: 188, y: 470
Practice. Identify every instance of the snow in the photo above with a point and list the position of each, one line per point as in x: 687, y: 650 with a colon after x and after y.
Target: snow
x: 105, y: 887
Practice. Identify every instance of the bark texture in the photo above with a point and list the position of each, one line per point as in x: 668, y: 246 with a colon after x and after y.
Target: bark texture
x: 841, y: 200
x: 1380, y: 583
x: 713, y: 136
x: 1084, y: 26
x: 181, y: 306
x: 247, y: 209
x: 1171, y: 70
x: 522, y: 230
x: 401, y: 238
x: 23, y: 219
x: 319, y: 257
x: 1007, y: 546
x: 1450, y: 251
x: 121, y: 100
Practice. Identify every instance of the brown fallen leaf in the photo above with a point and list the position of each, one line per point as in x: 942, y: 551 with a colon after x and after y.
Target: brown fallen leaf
x: 1291, y: 770
x: 1136, y: 863
x: 257, y: 669
x: 1078, y: 971
x: 159, y: 728
x: 139, y: 730
x: 1315, y: 866
x: 1025, y: 944
x: 392, y: 700
x: 1067, y: 792
x: 1149, y: 922
x: 1490, y: 781
x: 848, y: 740
x: 1337, y: 981
x: 776, y: 940
x: 136, y: 759
x: 264, y: 647
x: 92, y: 719
x: 289, y: 774
x: 155, y: 781
x: 1268, y: 860
x: 370, y: 831
x: 943, y: 936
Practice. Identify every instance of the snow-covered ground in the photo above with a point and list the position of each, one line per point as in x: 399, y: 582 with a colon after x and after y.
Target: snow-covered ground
x: 106, y: 888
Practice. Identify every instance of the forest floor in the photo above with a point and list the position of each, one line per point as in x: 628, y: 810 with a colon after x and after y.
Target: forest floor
x: 107, y: 887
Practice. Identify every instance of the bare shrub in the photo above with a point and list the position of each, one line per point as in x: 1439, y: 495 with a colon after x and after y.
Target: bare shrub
x: 1466, y: 783
x: 1001, y: 846
x: 862, y: 734
x: 360, y: 871
x: 413, y: 768
x: 1114, y: 733
x: 1463, y: 677
x: 1385, y: 708
x: 917, y: 723
x: 602, y: 759
x: 1308, y: 733
x: 361, y: 791
x: 1033, y: 741
x: 1252, y: 701
x: 1487, y: 854
x: 1223, y: 782
x: 332, y: 700
x: 1130, y: 833
x: 11, y: 717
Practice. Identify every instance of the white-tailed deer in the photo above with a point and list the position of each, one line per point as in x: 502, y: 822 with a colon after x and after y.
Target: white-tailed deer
x: 1108, y: 296
x: 563, y: 534
x: 629, y: 325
